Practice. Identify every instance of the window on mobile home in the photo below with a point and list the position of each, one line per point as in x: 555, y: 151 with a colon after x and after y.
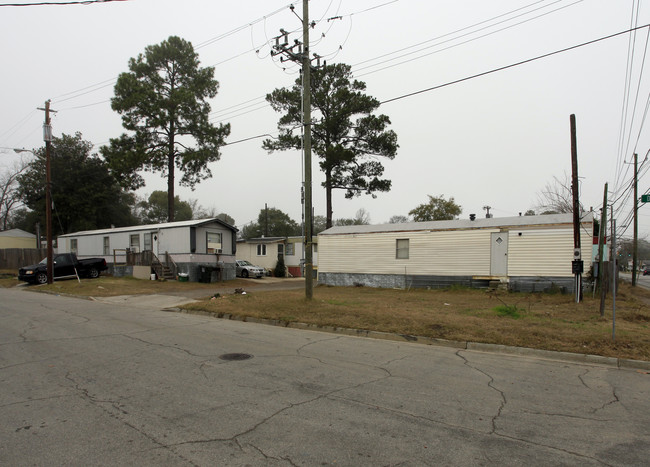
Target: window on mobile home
x: 134, y: 243
x: 213, y: 242
x: 402, y: 249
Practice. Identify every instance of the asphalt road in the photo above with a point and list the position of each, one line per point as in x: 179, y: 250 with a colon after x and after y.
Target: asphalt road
x: 89, y: 383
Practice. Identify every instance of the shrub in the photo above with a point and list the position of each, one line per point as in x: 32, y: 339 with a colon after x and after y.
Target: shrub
x: 280, y: 269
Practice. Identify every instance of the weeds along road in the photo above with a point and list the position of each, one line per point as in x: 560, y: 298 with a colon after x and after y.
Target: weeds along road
x: 87, y: 383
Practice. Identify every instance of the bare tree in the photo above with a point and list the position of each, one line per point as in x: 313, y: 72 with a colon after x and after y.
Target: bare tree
x: 362, y: 217
x: 556, y: 197
x: 9, y: 198
x: 398, y: 219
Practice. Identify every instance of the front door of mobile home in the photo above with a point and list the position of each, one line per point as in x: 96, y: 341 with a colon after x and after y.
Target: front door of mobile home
x: 499, y: 254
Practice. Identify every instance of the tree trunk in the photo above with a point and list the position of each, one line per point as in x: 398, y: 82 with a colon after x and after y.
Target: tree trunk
x: 328, y: 195
x: 170, y: 175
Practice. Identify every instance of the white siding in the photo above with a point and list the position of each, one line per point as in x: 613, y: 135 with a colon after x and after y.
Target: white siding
x: 171, y: 239
x: 201, y: 238
x: 546, y: 252
x: 174, y: 240
x: 453, y: 253
x: 248, y: 251
x: 296, y: 258
x: 531, y: 252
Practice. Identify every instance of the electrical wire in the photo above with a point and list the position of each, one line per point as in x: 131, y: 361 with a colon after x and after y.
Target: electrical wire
x: 12, y: 130
x: 84, y: 106
x: 110, y: 82
x: 626, y: 96
x: 240, y: 28
x: 450, y: 34
x: 84, y: 2
x: 513, y: 65
x: 457, y: 44
x: 636, y: 97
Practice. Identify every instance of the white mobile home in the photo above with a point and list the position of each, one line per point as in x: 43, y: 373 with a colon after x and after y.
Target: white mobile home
x: 265, y: 251
x: 188, y: 247
x: 295, y: 256
x: 529, y: 253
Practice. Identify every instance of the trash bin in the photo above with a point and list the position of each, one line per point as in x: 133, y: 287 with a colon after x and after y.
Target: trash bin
x: 205, y: 274
x: 183, y: 277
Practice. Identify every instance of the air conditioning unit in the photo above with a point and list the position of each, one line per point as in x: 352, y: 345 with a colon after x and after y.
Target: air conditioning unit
x: 218, y: 251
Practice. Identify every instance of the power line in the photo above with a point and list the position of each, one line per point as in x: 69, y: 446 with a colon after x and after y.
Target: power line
x: 462, y: 35
x: 85, y: 2
x: 626, y: 94
x: 512, y: 65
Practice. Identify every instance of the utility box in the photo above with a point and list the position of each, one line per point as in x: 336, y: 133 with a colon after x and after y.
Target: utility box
x: 577, y: 266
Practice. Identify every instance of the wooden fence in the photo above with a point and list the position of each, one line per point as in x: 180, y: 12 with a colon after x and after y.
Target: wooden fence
x: 15, y: 258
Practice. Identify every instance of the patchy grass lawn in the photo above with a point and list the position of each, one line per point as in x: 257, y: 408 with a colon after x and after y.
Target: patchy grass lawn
x: 108, y: 286
x: 543, y: 321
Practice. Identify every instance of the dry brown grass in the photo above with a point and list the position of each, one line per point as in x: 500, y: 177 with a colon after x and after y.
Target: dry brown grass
x: 107, y: 286
x: 550, y: 322
x: 543, y: 321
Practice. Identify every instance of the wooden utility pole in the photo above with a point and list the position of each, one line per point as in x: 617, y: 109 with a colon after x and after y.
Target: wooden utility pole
x: 636, y: 221
x: 614, y: 271
x: 282, y: 47
x: 577, y: 254
x: 47, y: 137
x: 306, y: 105
x: 601, y: 261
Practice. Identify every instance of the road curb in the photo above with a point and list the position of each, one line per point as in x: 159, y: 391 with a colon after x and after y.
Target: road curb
x: 622, y: 363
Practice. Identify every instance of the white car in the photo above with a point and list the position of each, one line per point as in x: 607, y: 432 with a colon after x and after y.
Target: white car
x: 248, y: 269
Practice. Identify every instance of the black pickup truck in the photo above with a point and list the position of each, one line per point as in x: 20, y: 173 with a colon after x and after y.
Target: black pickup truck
x: 65, y: 265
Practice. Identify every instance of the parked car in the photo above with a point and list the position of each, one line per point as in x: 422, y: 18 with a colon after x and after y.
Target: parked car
x: 248, y: 269
x: 64, y: 265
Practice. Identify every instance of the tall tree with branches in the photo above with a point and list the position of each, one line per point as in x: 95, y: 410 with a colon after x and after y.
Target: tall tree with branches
x: 347, y: 135
x: 10, y: 201
x: 85, y: 196
x: 163, y: 103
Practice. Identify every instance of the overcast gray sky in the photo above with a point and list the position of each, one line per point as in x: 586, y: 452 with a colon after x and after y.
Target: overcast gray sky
x: 494, y: 140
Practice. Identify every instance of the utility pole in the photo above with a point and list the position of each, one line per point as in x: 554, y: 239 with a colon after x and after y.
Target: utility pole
x: 577, y: 264
x: 614, y: 270
x: 636, y: 221
x: 266, y: 220
x: 601, y: 261
x: 302, y: 57
x: 306, y: 96
x: 47, y: 137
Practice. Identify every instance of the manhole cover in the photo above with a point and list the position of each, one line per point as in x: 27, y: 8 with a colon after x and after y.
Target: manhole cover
x: 235, y: 356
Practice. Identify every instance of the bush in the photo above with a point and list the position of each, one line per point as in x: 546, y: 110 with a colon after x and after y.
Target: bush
x: 280, y: 269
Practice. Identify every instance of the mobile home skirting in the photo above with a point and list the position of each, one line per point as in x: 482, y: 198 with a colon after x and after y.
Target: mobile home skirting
x: 393, y: 281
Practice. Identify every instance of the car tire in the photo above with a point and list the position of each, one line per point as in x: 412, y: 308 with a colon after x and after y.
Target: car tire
x: 93, y: 273
x: 244, y: 273
x: 41, y: 278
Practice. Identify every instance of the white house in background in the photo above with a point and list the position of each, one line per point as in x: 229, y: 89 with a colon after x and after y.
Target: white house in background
x: 188, y: 246
x: 16, y: 238
x: 529, y: 253
x: 295, y: 256
x: 265, y: 251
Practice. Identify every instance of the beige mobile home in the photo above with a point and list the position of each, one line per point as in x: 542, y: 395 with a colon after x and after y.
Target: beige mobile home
x: 16, y: 238
x: 264, y: 252
x: 529, y: 253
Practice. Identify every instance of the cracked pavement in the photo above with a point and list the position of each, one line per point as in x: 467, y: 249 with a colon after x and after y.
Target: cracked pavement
x: 85, y: 382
